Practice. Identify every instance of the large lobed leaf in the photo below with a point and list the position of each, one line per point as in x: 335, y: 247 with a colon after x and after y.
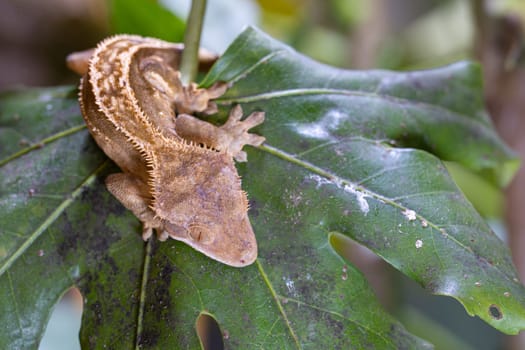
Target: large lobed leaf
x: 328, y: 166
x: 60, y: 227
x: 343, y: 135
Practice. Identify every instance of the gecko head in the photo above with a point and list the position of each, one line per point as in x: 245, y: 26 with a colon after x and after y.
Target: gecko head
x: 233, y: 244
x: 198, y: 195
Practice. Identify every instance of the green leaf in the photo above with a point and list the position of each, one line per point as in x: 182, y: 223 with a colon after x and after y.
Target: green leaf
x: 145, y: 17
x: 328, y: 167
x: 333, y: 132
x: 60, y: 228
x: 440, y: 111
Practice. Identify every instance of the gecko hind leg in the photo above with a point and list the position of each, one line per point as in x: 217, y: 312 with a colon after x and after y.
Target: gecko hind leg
x: 133, y: 194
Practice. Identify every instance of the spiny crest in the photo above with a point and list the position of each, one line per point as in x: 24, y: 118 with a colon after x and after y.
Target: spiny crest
x: 141, y: 115
x: 80, y: 94
x: 130, y: 39
x: 117, y: 98
x: 245, y: 201
x: 112, y: 87
x: 151, y: 161
x: 153, y: 170
x: 131, y: 100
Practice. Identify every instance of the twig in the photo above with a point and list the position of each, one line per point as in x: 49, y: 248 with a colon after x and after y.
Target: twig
x: 190, y: 61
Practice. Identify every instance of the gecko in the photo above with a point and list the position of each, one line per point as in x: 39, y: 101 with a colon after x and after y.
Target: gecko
x: 178, y: 173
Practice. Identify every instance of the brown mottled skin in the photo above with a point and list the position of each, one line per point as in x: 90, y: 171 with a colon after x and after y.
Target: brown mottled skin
x: 178, y: 175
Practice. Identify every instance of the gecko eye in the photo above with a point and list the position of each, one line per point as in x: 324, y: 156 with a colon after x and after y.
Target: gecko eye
x: 200, y: 234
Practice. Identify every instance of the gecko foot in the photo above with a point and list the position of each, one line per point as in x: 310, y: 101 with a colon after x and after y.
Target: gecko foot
x: 237, y: 131
x: 229, y: 138
x: 190, y: 99
x: 147, y: 233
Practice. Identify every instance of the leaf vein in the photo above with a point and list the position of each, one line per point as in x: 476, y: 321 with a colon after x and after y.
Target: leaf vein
x: 265, y: 59
x: 190, y: 279
x: 43, y: 142
x: 421, y: 194
x: 15, y: 304
x: 341, y: 183
x: 275, y: 296
x: 400, y: 102
x: 337, y: 314
x: 51, y: 218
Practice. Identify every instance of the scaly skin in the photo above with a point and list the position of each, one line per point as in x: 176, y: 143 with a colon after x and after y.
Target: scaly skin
x: 178, y: 175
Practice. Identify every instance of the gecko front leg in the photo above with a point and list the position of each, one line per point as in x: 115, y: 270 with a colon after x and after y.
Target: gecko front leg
x: 229, y: 138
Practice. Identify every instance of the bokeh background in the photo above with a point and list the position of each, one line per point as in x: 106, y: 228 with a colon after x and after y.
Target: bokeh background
x: 36, y: 36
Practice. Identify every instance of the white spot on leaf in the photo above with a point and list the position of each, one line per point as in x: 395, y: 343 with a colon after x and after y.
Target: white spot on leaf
x: 321, y: 181
x: 322, y: 128
x: 314, y: 130
x: 450, y: 286
x: 344, y: 276
x: 290, y: 285
x: 409, y: 214
x: 360, y: 195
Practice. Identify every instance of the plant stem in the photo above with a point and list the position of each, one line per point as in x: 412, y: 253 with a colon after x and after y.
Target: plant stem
x: 192, y: 37
x: 143, y: 286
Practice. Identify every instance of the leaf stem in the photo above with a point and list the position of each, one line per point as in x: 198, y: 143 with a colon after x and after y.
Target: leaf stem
x: 192, y: 37
x: 143, y: 286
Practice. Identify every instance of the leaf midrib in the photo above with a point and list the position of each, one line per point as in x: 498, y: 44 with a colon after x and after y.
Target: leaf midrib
x: 341, y: 183
x: 315, y: 91
x: 442, y: 111
x: 51, y: 218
